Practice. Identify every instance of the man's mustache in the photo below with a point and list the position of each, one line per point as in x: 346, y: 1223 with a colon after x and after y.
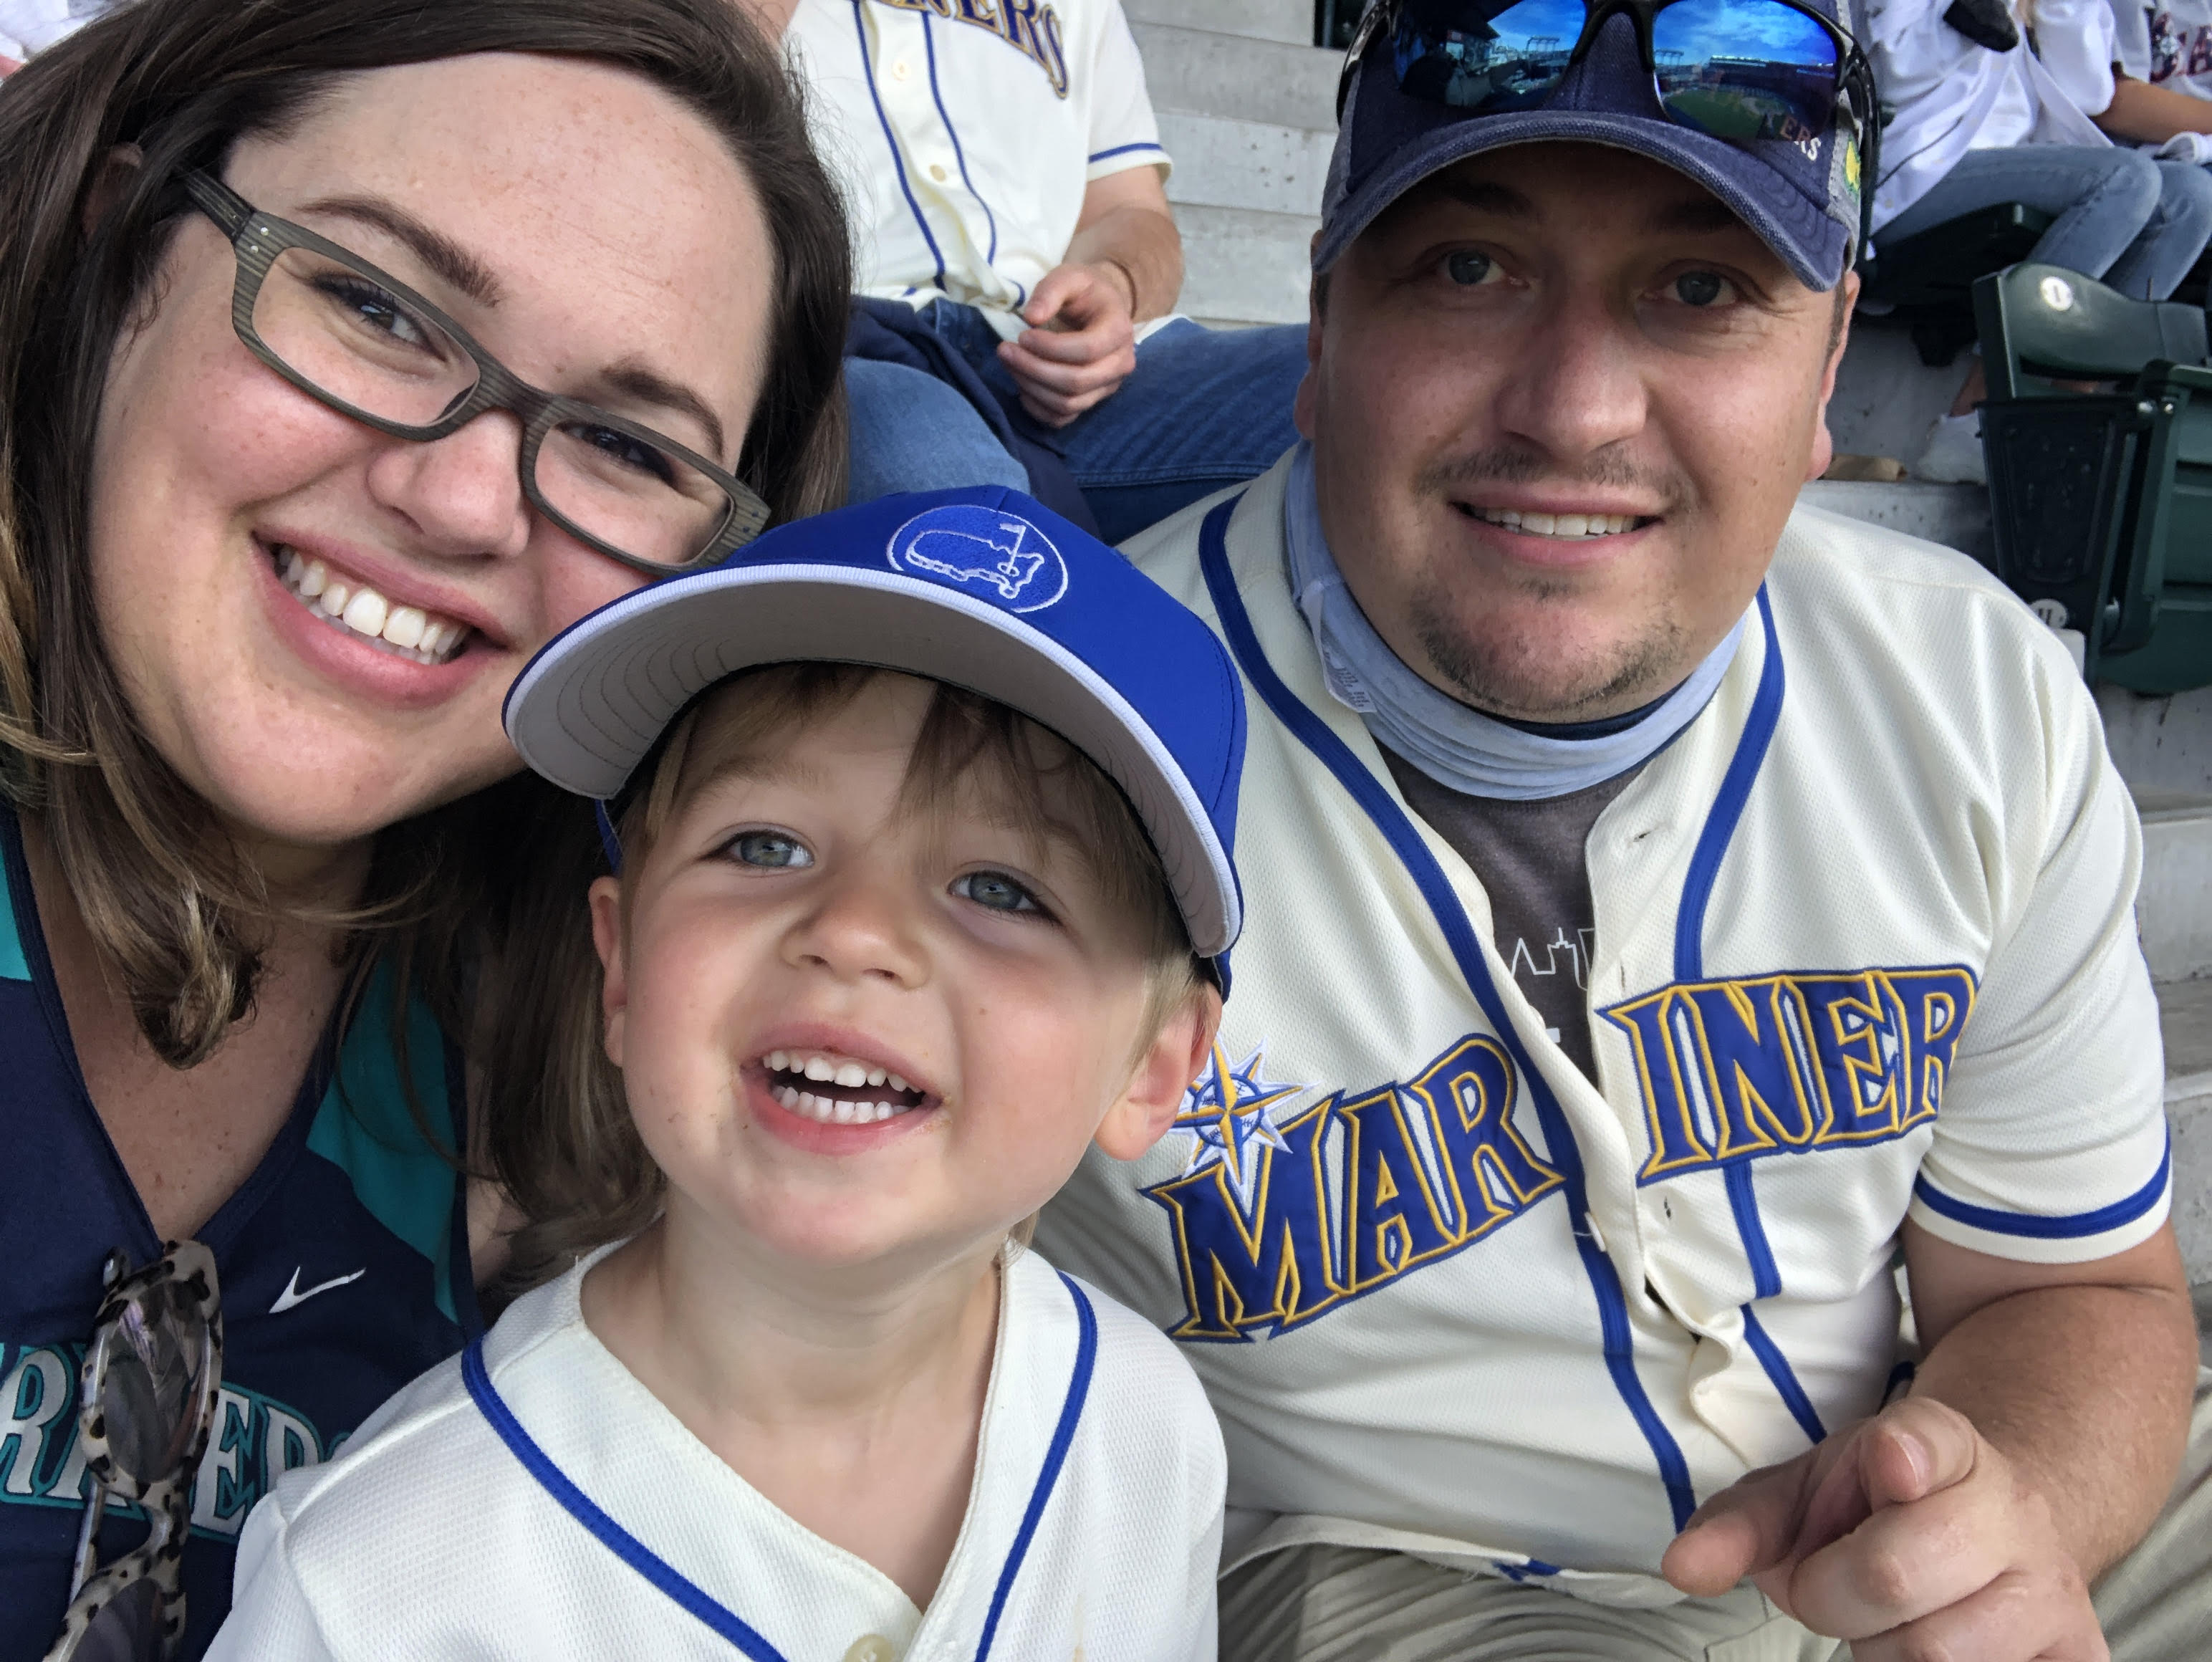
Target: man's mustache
x: 1517, y: 465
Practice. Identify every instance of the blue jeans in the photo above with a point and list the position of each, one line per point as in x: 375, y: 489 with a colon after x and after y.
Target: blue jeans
x: 1204, y: 408
x: 2135, y: 224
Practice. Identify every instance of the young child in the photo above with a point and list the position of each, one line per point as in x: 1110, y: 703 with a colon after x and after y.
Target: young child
x: 922, y: 811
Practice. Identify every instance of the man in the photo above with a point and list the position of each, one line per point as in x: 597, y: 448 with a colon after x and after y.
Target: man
x: 1003, y: 171
x: 1668, y: 911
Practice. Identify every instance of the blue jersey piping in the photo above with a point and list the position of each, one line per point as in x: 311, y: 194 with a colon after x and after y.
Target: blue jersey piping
x: 2070, y: 1227
x: 1705, y: 859
x: 959, y: 154
x: 696, y: 1601
x: 1124, y: 150
x: 890, y: 141
x: 1055, y: 1456
x: 1452, y: 917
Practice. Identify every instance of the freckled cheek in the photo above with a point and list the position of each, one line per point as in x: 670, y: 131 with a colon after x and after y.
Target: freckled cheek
x: 573, y: 580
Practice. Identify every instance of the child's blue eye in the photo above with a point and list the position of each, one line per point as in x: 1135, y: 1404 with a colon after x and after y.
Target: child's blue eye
x: 774, y: 849
x: 995, y: 891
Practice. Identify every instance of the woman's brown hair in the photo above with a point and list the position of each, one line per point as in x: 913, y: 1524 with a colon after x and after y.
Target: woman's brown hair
x: 175, y: 911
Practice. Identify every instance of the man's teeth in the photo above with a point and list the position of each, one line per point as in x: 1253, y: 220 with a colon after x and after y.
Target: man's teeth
x: 1559, y: 525
x: 845, y: 1073
x: 405, y: 630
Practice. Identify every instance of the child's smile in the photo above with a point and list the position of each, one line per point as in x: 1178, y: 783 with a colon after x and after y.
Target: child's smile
x: 831, y: 1089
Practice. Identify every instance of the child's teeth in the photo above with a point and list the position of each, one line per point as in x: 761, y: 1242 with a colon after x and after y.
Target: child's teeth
x: 842, y: 1110
x: 850, y: 1074
x: 877, y: 1076
x: 821, y: 1068
x: 896, y: 1083
x: 366, y: 612
x: 776, y: 1062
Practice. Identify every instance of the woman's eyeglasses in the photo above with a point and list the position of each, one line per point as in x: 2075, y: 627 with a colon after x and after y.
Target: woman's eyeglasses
x: 365, y: 344
x: 146, y: 1398
x: 1737, y: 69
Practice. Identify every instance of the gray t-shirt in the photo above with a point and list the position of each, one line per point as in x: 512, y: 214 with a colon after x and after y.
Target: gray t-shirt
x: 1530, y: 857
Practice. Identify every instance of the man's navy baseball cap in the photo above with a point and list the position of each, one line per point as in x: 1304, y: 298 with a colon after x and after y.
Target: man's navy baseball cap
x: 981, y: 588
x: 1802, y: 196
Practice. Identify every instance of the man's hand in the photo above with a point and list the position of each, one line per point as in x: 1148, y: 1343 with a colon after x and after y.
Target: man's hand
x: 1081, y: 343
x: 1909, y: 1534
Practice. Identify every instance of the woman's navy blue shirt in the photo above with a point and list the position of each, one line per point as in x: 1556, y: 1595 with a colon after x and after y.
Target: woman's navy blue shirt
x: 343, y: 1261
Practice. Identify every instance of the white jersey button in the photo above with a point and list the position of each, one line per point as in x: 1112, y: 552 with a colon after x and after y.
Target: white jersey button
x: 901, y: 70
x: 870, y: 1647
x: 937, y: 172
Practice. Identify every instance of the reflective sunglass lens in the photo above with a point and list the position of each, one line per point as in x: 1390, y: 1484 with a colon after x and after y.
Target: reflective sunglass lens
x: 1744, y: 70
x: 154, y: 1364
x: 1479, y: 57
x: 128, y: 1627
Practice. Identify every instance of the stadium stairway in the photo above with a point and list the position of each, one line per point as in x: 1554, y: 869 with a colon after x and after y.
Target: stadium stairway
x: 1247, y: 108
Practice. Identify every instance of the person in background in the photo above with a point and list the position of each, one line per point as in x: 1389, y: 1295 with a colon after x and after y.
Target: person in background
x: 1004, y: 172
x: 2162, y: 75
x: 1983, y: 119
x: 259, y: 844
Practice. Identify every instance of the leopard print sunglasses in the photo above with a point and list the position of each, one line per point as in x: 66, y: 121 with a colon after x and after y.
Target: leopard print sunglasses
x: 146, y: 1399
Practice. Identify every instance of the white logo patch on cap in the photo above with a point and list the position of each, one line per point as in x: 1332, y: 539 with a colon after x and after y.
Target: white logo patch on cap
x: 995, y: 556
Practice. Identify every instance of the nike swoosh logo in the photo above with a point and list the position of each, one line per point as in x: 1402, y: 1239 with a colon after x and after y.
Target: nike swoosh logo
x: 293, y: 1296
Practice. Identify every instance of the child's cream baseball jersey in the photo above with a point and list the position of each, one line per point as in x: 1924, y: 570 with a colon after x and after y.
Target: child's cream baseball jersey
x: 532, y: 1501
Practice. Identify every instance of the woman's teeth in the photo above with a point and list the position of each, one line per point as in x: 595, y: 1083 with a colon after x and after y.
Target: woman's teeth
x: 1559, y: 525
x: 838, y: 1075
x: 405, y: 631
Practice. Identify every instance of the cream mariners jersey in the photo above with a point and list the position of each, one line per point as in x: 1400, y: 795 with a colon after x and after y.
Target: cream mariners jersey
x: 532, y: 1501
x: 1864, y: 951
x: 964, y: 132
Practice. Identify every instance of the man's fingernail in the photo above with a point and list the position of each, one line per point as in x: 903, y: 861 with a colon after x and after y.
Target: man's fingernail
x: 1917, y: 1453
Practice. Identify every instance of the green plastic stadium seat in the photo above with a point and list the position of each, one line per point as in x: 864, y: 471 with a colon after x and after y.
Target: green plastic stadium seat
x: 1927, y: 280
x: 2101, y: 502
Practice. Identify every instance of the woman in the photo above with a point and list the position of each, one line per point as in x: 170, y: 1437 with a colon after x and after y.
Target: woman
x: 283, y: 511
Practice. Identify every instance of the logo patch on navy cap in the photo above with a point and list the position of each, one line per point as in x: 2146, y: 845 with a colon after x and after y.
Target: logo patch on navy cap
x: 985, y: 552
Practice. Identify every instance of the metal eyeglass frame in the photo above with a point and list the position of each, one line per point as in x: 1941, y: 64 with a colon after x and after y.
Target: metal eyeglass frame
x: 1855, y: 84
x: 188, y: 1268
x: 258, y: 239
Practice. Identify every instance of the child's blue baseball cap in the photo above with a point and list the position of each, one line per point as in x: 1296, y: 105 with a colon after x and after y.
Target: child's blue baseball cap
x: 982, y: 588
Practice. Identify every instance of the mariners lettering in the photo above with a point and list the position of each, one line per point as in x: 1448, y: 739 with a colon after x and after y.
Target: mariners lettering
x: 255, y: 1440
x: 1279, y: 1219
x: 1030, y: 29
x: 1736, y: 1070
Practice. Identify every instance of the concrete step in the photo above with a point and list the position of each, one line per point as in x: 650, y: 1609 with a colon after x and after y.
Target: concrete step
x: 1956, y: 515
x: 1290, y: 22
x: 2185, y: 1009
x: 2174, y: 909
x: 1241, y: 265
x: 1224, y: 162
x: 1199, y: 72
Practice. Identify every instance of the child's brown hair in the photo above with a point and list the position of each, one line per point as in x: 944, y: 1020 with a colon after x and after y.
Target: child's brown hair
x: 572, y: 1162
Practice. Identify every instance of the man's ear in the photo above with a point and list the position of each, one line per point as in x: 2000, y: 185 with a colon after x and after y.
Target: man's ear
x: 614, y: 986
x: 1824, y: 442
x: 1177, y: 1055
x: 119, y: 170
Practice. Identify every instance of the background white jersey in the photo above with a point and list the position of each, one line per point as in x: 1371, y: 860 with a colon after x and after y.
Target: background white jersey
x: 2169, y: 44
x: 964, y: 132
x: 1865, y: 949
x: 1092, y: 1531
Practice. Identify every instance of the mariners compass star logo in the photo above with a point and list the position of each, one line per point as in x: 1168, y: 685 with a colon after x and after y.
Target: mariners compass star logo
x: 1226, y: 1109
x: 990, y: 553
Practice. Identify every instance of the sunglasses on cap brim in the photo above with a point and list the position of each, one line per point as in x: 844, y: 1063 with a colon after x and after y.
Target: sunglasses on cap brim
x: 1739, y: 70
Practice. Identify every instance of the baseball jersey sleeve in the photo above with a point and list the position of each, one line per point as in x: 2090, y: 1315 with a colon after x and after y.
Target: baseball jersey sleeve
x: 2131, y: 38
x: 2050, y: 1143
x: 1124, y: 133
x: 271, y: 1618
